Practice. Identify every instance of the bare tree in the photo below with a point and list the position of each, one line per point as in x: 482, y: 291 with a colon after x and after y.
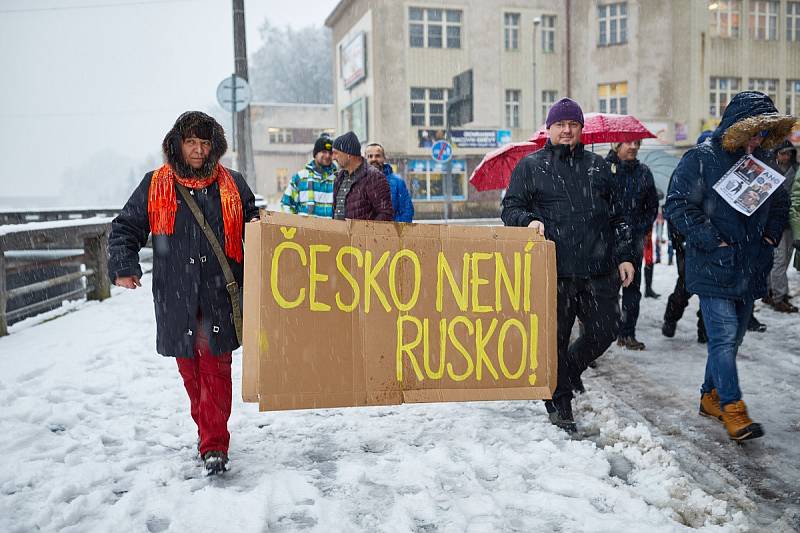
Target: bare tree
x: 293, y: 66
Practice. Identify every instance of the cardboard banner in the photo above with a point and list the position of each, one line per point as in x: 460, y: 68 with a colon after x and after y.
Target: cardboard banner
x: 350, y: 313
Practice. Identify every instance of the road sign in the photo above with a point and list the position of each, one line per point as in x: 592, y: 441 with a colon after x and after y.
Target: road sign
x: 441, y: 151
x: 233, y: 94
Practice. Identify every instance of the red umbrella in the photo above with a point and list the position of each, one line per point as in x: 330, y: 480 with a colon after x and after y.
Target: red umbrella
x: 494, y: 172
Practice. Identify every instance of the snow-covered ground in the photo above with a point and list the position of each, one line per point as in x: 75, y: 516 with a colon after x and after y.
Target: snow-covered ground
x: 95, y: 435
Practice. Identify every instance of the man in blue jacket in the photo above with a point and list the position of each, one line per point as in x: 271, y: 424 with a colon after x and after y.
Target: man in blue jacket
x: 728, y: 254
x: 401, y: 200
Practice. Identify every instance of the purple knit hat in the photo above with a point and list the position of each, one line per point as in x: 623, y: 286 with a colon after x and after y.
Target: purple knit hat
x: 565, y: 109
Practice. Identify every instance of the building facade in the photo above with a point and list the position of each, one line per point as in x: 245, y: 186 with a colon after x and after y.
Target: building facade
x: 674, y: 65
x: 283, y: 139
x: 395, y: 63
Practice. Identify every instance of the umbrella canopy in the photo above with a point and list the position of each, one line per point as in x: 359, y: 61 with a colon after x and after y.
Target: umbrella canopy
x: 494, y: 172
x: 604, y: 128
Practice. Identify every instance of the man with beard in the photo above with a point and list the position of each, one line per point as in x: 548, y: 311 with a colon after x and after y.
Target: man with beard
x: 640, y: 204
x: 360, y: 191
x: 401, y: 200
x: 196, y: 317
x: 567, y: 194
x: 310, y: 191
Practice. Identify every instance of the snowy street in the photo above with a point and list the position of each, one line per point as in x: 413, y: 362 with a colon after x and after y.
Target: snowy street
x: 96, y: 436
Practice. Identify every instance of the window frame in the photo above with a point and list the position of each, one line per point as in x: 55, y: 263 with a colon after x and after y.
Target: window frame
x: 726, y: 19
x: 612, y: 19
x: 459, y: 177
x: 513, y: 108
x: 511, y: 31
x: 792, y: 97
x: 714, y: 89
x: 427, y: 102
x: 548, y: 31
x: 769, y: 17
x: 616, y: 99
x: 792, y: 20
x: 447, y: 33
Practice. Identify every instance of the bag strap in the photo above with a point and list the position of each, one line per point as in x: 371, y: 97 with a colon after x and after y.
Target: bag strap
x: 231, y: 285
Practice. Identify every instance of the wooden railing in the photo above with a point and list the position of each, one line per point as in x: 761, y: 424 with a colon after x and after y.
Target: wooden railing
x: 79, y: 245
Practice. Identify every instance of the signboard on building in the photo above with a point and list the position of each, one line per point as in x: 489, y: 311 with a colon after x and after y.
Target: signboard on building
x: 354, y: 118
x: 353, y: 60
x: 480, y: 138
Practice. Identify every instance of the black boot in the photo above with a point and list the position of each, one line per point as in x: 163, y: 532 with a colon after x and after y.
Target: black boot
x: 755, y: 325
x: 560, y: 413
x: 648, y: 283
x: 668, y: 328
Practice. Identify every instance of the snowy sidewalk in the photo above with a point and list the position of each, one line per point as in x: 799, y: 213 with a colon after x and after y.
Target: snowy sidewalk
x: 96, y: 436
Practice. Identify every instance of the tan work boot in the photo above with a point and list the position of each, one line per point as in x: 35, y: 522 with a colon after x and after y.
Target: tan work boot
x: 738, y: 424
x: 709, y: 405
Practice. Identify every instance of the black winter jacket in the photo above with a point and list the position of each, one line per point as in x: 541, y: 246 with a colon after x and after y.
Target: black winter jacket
x: 640, y: 198
x: 573, y: 194
x: 187, y: 276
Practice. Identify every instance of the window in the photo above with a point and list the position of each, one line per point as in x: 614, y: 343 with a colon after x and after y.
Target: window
x: 434, y: 28
x: 722, y: 90
x: 764, y: 20
x: 613, y: 20
x: 793, y: 97
x: 427, y: 179
x: 428, y: 106
x: 766, y: 86
x: 724, y: 18
x: 793, y: 21
x: 511, y: 31
x: 548, y: 99
x: 548, y: 34
x: 512, y: 108
x: 280, y: 136
x: 613, y: 97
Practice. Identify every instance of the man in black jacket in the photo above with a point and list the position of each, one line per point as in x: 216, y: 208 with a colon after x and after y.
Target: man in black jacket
x: 194, y: 315
x: 640, y: 201
x: 567, y: 195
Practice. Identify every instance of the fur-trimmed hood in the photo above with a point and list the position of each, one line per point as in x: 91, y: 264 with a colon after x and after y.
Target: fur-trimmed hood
x: 747, y: 114
x: 194, y: 124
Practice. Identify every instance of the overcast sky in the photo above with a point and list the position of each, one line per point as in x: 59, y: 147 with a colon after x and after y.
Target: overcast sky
x: 84, y: 76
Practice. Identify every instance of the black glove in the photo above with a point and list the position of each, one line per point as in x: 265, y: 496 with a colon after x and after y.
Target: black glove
x: 797, y: 244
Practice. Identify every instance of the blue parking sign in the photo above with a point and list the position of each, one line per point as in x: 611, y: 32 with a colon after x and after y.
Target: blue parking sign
x: 441, y: 151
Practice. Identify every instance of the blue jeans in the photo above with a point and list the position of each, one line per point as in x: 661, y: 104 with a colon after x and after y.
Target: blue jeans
x: 726, y: 323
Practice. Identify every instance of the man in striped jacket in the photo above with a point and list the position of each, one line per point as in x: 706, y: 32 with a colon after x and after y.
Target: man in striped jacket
x: 310, y: 191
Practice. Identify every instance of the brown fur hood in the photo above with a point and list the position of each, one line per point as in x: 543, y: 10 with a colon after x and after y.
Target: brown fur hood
x: 194, y: 124
x: 749, y: 113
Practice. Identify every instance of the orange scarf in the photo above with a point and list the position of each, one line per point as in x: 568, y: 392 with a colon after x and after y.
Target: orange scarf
x: 162, y: 204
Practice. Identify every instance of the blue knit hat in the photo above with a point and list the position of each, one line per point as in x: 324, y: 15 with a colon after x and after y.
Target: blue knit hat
x: 348, y: 143
x: 564, y: 109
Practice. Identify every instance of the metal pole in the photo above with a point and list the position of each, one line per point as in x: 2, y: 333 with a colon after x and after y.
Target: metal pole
x: 233, y: 112
x: 536, y: 23
x: 244, y: 155
x: 446, y: 186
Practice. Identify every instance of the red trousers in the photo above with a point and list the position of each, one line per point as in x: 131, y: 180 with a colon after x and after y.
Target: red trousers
x: 207, y: 378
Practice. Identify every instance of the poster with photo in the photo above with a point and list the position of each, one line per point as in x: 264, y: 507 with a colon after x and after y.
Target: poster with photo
x: 748, y: 184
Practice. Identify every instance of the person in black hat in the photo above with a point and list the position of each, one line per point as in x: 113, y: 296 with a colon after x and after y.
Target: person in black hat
x: 310, y: 191
x: 360, y: 190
